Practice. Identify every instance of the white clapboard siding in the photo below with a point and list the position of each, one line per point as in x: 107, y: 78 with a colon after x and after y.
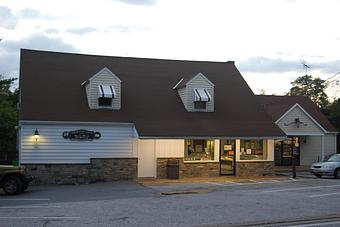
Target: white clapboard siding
x: 310, y: 150
x: 116, y: 141
x: 309, y: 129
x: 168, y: 148
x: 183, y: 95
x: 330, y: 144
x: 187, y: 93
x: 104, y: 77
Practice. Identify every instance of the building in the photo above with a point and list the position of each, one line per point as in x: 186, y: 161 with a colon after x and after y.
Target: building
x: 86, y: 118
x: 309, y: 132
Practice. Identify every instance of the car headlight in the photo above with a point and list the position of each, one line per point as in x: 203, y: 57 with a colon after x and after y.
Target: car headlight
x: 327, y: 166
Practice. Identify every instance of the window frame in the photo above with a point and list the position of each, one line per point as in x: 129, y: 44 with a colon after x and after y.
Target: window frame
x: 213, y: 150
x: 265, y: 151
x: 105, y: 106
x: 200, y: 102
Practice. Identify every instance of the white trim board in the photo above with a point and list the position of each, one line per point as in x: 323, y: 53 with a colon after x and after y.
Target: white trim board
x: 212, y: 137
x: 174, y: 88
x: 305, y: 134
x: 21, y: 122
x: 204, y: 77
x: 100, y: 72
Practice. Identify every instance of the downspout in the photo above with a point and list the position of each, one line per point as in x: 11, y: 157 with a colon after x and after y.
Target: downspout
x: 335, y: 144
x: 322, y: 148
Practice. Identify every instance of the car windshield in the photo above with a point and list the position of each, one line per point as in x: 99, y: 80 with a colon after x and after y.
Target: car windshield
x: 334, y: 158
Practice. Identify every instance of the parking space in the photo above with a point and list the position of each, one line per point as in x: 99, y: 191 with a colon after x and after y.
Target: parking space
x: 223, y: 185
x: 49, y: 194
x: 211, y: 203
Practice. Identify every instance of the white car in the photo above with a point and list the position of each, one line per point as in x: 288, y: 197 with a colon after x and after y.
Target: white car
x: 331, y: 167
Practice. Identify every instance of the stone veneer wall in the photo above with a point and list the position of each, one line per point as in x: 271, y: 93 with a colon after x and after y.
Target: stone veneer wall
x: 254, y: 168
x: 187, y: 170
x: 100, y: 169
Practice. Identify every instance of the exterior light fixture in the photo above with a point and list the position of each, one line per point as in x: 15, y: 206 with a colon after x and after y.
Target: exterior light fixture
x: 36, y: 135
x: 296, y: 122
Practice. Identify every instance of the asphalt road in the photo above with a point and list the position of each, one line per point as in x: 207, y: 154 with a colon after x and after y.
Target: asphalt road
x: 286, y: 202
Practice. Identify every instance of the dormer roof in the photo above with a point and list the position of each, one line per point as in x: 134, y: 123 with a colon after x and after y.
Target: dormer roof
x: 104, y: 70
x: 189, y: 78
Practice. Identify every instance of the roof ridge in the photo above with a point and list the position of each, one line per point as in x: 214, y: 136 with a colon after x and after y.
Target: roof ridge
x: 123, y: 57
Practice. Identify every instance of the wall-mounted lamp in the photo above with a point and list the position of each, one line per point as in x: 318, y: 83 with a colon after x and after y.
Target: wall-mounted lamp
x: 296, y: 122
x: 36, y: 135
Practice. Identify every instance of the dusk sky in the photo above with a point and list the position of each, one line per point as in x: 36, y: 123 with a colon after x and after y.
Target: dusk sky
x: 267, y: 39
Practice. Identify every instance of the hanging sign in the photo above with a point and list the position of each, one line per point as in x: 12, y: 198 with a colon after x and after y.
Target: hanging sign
x: 81, y: 134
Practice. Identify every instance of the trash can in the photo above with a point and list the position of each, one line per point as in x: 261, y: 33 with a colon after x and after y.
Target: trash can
x: 172, y: 170
x: 15, y: 163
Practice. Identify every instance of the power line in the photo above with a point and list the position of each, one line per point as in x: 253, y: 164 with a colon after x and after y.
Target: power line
x: 333, y: 76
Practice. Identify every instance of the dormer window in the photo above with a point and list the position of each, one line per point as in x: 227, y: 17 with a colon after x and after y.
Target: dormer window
x: 106, y: 93
x: 105, y: 102
x: 196, y: 93
x: 200, y: 105
x: 202, y: 96
x: 103, y: 90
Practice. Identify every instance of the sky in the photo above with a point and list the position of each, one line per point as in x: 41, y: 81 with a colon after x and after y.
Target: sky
x: 267, y: 39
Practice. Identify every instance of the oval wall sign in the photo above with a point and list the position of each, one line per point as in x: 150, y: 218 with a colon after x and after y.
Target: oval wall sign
x: 81, y: 134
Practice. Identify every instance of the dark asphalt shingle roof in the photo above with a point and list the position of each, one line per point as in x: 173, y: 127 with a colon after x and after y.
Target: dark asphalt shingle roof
x: 276, y: 106
x: 51, y: 90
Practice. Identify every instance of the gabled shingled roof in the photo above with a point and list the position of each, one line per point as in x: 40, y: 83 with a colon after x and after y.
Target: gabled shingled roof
x: 276, y: 106
x: 51, y: 90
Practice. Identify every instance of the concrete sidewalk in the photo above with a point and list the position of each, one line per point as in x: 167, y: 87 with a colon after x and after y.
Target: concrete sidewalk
x: 286, y: 171
x: 301, y: 168
x: 223, y: 179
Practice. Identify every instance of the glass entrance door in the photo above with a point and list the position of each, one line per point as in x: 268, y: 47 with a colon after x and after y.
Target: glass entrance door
x: 227, y: 157
x: 286, y: 158
x: 285, y: 149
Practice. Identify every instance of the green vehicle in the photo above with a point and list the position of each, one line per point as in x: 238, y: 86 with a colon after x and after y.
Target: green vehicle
x: 14, y: 179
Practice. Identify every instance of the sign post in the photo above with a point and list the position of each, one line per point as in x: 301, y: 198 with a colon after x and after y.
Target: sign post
x: 293, y: 167
x: 295, y: 153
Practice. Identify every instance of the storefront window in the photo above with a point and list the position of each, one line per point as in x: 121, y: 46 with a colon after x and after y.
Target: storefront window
x: 253, y: 150
x: 199, y: 150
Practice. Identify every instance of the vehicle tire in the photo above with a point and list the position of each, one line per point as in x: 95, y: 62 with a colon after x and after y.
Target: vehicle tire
x: 337, y: 173
x: 12, y: 185
x: 24, y: 186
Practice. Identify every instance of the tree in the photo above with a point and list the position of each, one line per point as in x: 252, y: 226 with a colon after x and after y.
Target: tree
x: 262, y: 91
x: 5, y: 85
x: 8, y: 116
x: 8, y: 121
x: 314, y: 88
x: 333, y: 114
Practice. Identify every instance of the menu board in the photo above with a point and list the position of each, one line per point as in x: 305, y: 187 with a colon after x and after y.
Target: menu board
x: 227, y: 147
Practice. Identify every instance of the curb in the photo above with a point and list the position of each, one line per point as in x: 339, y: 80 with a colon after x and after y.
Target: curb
x: 157, y: 182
